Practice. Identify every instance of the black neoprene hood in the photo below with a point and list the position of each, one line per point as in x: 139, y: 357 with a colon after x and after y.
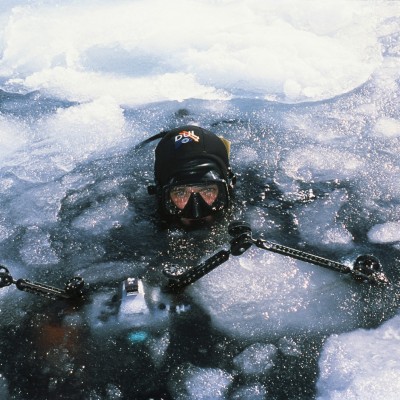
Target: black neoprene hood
x: 185, y: 145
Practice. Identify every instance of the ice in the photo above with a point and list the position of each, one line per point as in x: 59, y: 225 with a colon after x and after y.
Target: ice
x: 321, y: 163
x: 4, y: 388
x: 287, y: 51
x: 387, y: 127
x: 251, y: 392
x: 388, y: 232
x: 289, y: 347
x: 318, y: 224
x: 99, y: 219
x: 195, y: 383
x: 13, y: 136
x: 38, y: 206
x: 60, y: 141
x: 272, y: 296
x: 36, y: 248
x: 6, y: 228
x: 256, y: 359
x: 127, y: 91
x: 83, y: 129
x: 158, y: 347
x: 364, y: 364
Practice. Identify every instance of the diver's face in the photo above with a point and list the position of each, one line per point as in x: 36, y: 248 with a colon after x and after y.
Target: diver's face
x: 180, y: 195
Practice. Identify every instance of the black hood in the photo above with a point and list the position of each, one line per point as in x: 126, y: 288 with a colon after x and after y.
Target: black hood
x: 188, y: 147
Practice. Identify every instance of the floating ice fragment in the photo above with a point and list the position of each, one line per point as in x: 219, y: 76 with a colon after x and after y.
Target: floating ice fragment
x: 318, y: 222
x: 195, y: 383
x: 316, y: 162
x: 387, y: 232
x: 274, y: 295
x: 256, y: 359
x: 102, y: 217
x: 4, y: 394
x: 84, y: 129
x: 364, y: 364
x: 251, y: 392
x: 12, y: 136
x: 36, y: 247
x: 289, y: 347
x: 157, y: 348
x: 5, y: 230
x: 387, y: 127
x: 113, y: 392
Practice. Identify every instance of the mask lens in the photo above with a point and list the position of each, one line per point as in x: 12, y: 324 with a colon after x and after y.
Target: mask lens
x: 180, y: 195
x: 195, y: 200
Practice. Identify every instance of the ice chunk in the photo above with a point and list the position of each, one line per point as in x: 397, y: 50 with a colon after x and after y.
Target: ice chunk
x: 256, y: 359
x: 364, y: 364
x: 250, y: 392
x: 316, y: 162
x: 318, y: 223
x: 271, y: 296
x: 195, y: 383
x: 113, y: 392
x: 4, y: 388
x: 387, y: 232
x: 83, y: 129
x: 288, y: 51
x: 100, y: 218
x: 387, y: 127
x: 157, y: 348
x: 13, y: 136
x: 36, y: 247
x: 289, y: 347
x: 38, y: 206
x: 6, y: 229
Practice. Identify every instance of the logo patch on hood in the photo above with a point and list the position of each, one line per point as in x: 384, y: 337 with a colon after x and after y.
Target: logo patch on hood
x: 185, y: 137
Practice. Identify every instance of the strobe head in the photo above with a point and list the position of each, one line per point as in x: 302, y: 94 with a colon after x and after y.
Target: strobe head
x: 5, y: 277
x: 368, y: 267
x: 367, y: 264
x: 75, y: 287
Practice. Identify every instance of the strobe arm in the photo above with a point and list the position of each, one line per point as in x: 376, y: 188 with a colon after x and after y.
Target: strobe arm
x: 366, y: 268
x: 177, y: 283
x: 73, y: 289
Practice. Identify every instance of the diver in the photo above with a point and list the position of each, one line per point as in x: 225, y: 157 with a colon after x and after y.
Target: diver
x: 193, y: 179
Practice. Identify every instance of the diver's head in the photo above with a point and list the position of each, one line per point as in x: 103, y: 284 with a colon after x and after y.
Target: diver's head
x: 193, y: 178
